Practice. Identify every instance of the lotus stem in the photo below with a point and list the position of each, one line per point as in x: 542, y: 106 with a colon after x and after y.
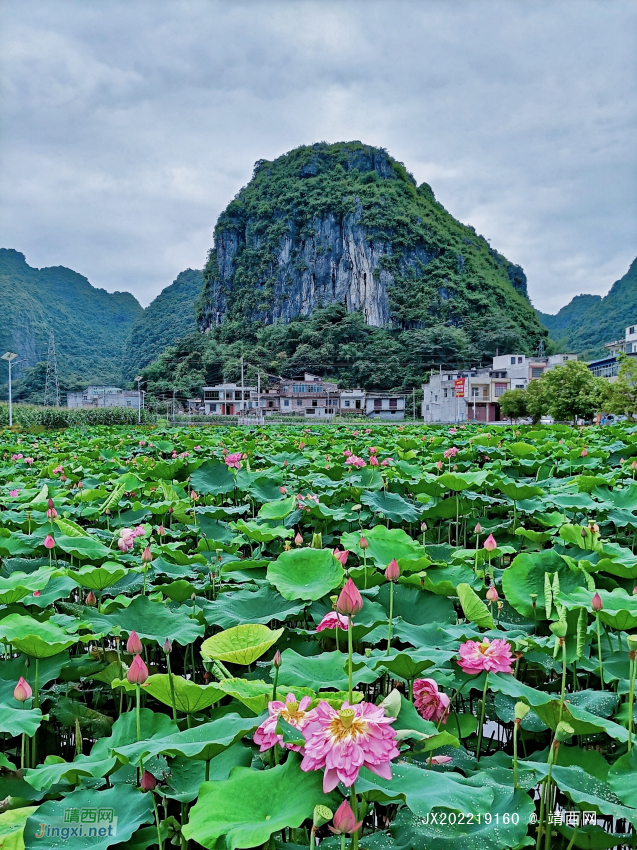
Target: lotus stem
x: 391, y: 615
x: 563, y: 691
x: 482, y: 710
x: 353, y: 801
x: 160, y: 840
x: 631, y: 697
x: 138, y: 712
x: 350, y: 652
x: 599, y: 651
x: 172, y: 688
x: 516, y: 726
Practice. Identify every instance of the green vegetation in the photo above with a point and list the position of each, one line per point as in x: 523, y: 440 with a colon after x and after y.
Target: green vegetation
x: 90, y: 325
x: 30, y: 417
x: 588, y: 321
x: 413, y: 637
x: 622, y: 397
x: 166, y: 319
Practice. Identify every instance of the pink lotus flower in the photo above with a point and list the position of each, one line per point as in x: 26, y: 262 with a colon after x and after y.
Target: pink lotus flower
x: 298, y: 538
x: 137, y: 672
x: 233, y: 461
x: 29, y: 460
x: 344, y: 820
x: 492, y: 657
x: 14, y: 493
x: 490, y: 544
x: 596, y: 602
x: 358, y: 462
x: 441, y: 759
x: 22, y: 691
x: 341, y: 742
x: 148, y: 781
x: 294, y: 712
x: 283, y: 490
x: 392, y: 573
x: 438, y: 464
x: 333, y: 621
x: 347, y: 453
x: 349, y: 601
x: 373, y: 461
x: 584, y: 453
x: 492, y: 594
x: 301, y: 445
x: 49, y: 542
x: 58, y: 469
x: 133, y: 644
x: 341, y: 556
x: 363, y: 542
x: 51, y: 513
x: 430, y: 703
x: 139, y: 531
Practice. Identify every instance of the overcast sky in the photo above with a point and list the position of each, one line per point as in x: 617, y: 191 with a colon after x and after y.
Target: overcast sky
x: 128, y: 126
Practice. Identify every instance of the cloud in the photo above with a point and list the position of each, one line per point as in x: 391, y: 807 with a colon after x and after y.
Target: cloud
x: 128, y: 127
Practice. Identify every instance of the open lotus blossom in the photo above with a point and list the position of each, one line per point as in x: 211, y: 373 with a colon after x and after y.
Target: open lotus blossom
x: 333, y: 620
x: 126, y: 539
x: 341, y: 742
x: 490, y: 656
x: 341, y: 556
x: 292, y: 711
x: 233, y: 461
x: 430, y: 703
x: 358, y: 462
x: 14, y: 493
x: 22, y: 691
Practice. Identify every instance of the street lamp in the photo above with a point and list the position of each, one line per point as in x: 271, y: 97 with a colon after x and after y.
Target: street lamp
x: 9, y: 356
x: 139, y: 380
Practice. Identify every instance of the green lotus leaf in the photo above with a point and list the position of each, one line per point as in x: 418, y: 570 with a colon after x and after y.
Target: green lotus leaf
x: 526, y: 575
x: 129, y: 805
x: 55, y: 769
x: 391, y: 505
x: 18, y: 721
x: 83, y: 547
x: 326, y: 670
x: 187, y: 775
x: 201, y: 742
x: 12, y: 825
x: 20, y: 585
x: 39, y: 640
x: 473, y: 607
x: 384, y: 544
x: 262, y: 606
x: 212, y: 478
x: 251, y: 805
x: 189, y: 696
x: 306, y: 574
x: 277, y: 510
x: 241, y: 644
x: 98, y: 578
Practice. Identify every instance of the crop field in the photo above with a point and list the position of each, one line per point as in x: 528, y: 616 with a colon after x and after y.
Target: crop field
x: 287, y: 637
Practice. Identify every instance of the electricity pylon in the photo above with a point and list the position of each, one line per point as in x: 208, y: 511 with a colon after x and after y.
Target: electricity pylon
x: 51, y: 386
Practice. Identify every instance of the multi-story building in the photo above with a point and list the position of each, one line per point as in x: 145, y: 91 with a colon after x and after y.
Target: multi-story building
x: 229, y: 399
x: 96, y: 396
x: 473, y: 394
x: 312, y: 396
x: 385, y: 405
x: 608, y: 367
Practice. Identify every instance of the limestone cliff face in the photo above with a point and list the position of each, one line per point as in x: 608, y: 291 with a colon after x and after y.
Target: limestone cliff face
x: 346, y: 223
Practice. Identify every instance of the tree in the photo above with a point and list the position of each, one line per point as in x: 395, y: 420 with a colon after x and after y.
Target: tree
x: 622, y: 395
x: 513, y: 404
x: 537, y: 404
x: 571, y: 391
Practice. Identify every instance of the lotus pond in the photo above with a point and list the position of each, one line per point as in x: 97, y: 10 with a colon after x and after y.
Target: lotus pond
x: 399, y: 637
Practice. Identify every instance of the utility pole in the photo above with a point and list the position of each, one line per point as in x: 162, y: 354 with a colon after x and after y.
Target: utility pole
x: 413, y: 390
x: 174, y: 391
x: 10, y: 357
x: 51, y: 385
x: 242, y: 393
x: 139, y: 399
x: 259, y: 395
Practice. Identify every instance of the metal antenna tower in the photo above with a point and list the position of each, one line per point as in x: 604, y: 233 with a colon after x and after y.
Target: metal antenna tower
x: 51, y: 386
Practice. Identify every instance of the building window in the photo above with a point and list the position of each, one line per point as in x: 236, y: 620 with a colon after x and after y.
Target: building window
x: 453, y: 392
x: 519, y: 386
x: 346, y: 403
x: 307, y: 388
x: 513, y: 361
x: 299, y: 402
x: 378, y: 403
x: 445, y: 393
x: 393, y: 404
x: 475, y: 391
x: 631, y: 330
x: 426, y: 407
x: 286, y: 402
x: 310, y: 411
x: 435, y: 398
x: 519, y: 359
x: 537, y: 371
x: 500, y: 389
x: 210, y: 395
x: 358, y: 405
x: 286, y: 389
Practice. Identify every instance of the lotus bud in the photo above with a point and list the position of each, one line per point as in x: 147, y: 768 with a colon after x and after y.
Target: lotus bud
x: 321, y: 816
x: 50, y: 503
x: 344, y: 820
x: 350, y: 601
x: 147, y: 556
x: 49, y: 542
x: 317, y: 540
x: 632, y: 646
x: 277, y: 659
x: 137, y: 672
x: 492, y: 594
x: 298, y: 539
x: 22, y: 691
x: 363, y: 542
x: 596, y: 602
x: 392, y: 573
x: 563, y: 732
x: 161, y: 530
x: 90, y: 599
x: 283, y: 490
x: 490, y: 544
x: 148, y: 781
x: 168, y: 647
x: 634, y: 465
x: 583, y: 532
x: 341, y: 556
x: 133, y: 644
x: 423, y: 527
x: 521, y: 710
x: 584, y: 453
x: 478, y: 529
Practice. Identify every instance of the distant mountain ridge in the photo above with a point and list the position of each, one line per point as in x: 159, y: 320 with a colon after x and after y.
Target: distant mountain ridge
x: 588, y: 321
x: 100, y: 337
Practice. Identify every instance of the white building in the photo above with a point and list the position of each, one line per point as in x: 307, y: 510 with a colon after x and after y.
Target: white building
x: 385, y: 405
x: 229, y: 399
x: 96, y: 396
x: 608, y: 367
x: 352, y: 401
x: 473, y: 394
